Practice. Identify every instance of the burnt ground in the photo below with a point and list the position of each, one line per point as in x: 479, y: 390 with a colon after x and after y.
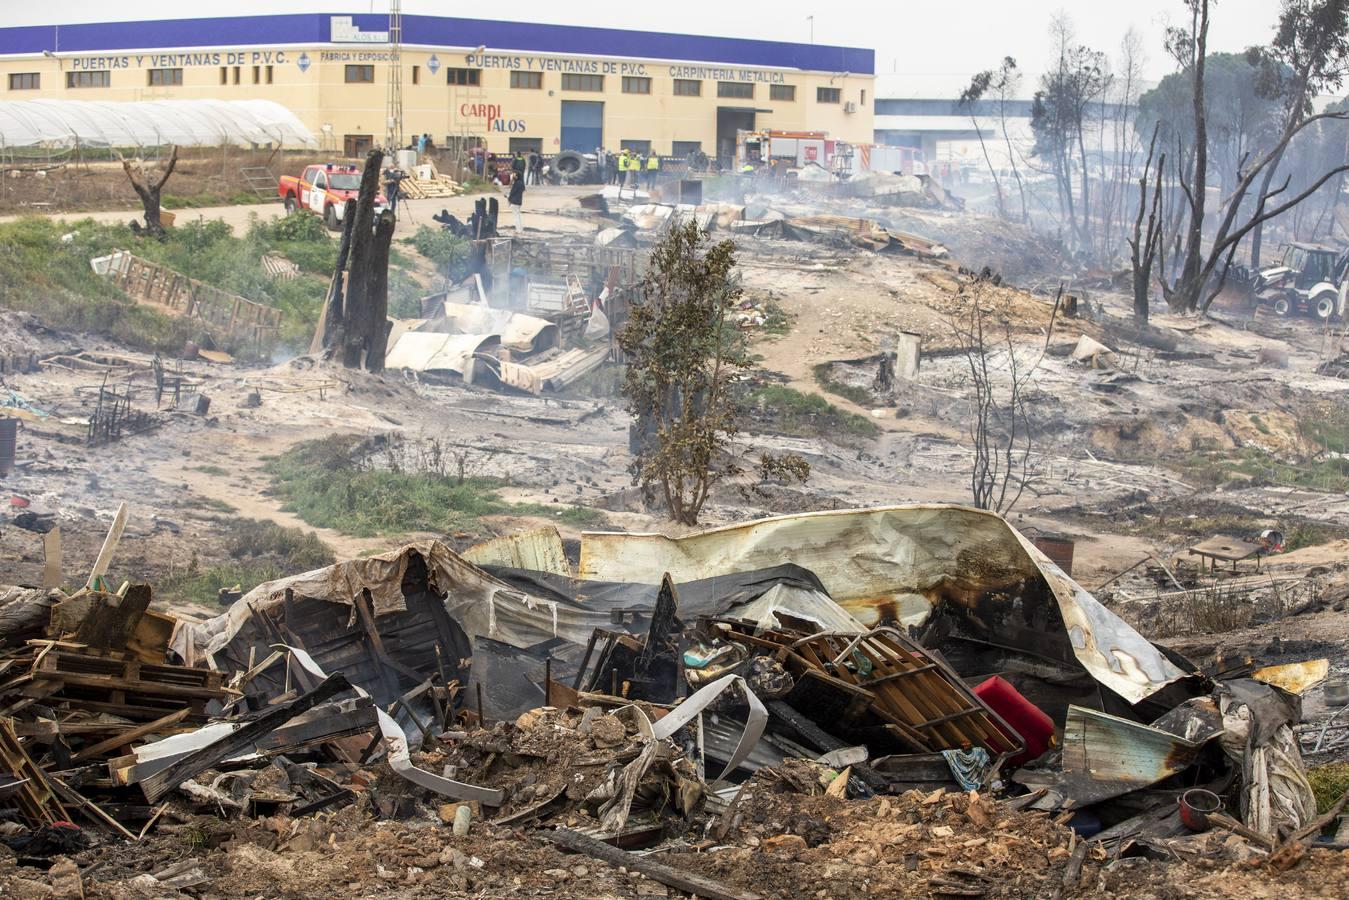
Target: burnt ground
x: 1122, y: 465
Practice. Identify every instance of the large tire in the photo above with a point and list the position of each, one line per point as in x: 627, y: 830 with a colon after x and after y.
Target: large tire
x: 1281, y: 306
x: 330, y: 218
x: 573, y: 168
x: 291, y: 205
x: 1323, y: 305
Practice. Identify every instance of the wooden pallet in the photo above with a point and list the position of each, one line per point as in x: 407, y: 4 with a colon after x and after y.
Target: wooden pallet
x: 123, y: 685
x: 34, y: 797
x: 916, y: 695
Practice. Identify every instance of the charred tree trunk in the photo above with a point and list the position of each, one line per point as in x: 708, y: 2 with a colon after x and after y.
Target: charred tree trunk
x: 1144, y: 245
x: 148, y: 189
x: 355, y: 326
x: 1186, y: 296
x: 331, y: 320
x: 376, y: 332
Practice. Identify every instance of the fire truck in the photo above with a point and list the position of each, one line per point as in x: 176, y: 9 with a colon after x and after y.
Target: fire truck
x: 797, y: 149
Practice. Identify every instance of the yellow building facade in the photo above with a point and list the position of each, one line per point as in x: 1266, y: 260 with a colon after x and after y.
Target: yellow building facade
x: 509, y: 85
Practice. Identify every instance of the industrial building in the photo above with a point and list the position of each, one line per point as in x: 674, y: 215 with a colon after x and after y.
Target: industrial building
x: 513, y: 86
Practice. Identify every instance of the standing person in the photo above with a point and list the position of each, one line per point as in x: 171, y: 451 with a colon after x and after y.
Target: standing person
x: 516, y: 201
x: 535, y: 164
x: 518, y: 164
x: 602, y: 164
x: 634, y: 166
x: 393, y: 178
x: 652, y: 167
x: 421, y: 145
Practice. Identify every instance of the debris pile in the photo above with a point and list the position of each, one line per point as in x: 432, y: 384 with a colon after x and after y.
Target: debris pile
x: 737, y: 716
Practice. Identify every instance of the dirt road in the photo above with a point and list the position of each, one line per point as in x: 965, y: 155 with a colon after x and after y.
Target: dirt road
x: 540, y: 211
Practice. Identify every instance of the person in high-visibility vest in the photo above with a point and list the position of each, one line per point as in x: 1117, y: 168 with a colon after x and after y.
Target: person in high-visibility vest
x: 634, y: 166
x: 652, y: 167
x: 622, y: 168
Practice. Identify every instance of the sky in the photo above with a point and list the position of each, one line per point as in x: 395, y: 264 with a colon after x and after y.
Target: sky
x: 944, y: 38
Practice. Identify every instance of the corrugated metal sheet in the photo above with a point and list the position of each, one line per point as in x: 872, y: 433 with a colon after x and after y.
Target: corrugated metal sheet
x: 427, y: 352
x: 1105, y: 756
x: 895, y: 563
x: 539, y: 551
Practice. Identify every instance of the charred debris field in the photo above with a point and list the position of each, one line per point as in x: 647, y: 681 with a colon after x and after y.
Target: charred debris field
x: 834, y: 546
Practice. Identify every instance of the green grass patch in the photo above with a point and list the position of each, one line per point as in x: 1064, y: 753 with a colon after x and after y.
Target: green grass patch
x: 777, y: 321
x: 204, y: 585
x: 330, y: 484
x: 259, y: 551
x: 51, y: 278
x: 211, y: 469
x: 213, y: 198
x: 1253, y: 466
x: 1329, y: 782
x: 449, y: 254
x: 799, y: 413
x: 859, y: 395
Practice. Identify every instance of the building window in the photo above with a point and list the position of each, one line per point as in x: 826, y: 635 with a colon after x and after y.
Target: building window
x: 827, y: 95
x: 740, y: 90
x: 687, y: 87
x: 681, y: 149
x: 784, y: 92
x: 257, y: 74
x: 165, y: 78
x: 95, y: 79
x: 464, y: 77
x: 532, y: 81
x: 641, y: 148
x: 864, y: 98
x: 269, y: 74
x: 635, y: 85
x: 236, y: 73
x: 416, y: 74
x: 224, y: 74
x: 25, y: 81
x: 360, y: 74
x: 357, y: 145
x: 572, y: 82
x: 525, y: 145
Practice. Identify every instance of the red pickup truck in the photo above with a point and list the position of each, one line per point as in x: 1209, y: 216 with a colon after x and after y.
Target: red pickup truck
x: 324, y: 189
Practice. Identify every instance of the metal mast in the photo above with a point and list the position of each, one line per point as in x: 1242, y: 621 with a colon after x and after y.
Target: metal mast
x: 393, y: 135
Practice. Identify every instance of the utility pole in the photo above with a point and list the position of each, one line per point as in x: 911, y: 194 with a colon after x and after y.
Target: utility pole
x: 811, y: 20
x: 393, y: 134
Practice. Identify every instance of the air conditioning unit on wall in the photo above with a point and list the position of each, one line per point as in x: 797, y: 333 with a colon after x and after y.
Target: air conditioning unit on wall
x: 850, y: 107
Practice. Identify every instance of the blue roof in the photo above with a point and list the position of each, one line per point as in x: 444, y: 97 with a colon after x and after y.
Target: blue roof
x: 436, y: 31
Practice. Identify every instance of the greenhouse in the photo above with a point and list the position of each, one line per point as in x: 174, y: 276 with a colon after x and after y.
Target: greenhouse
x: 56, y: 124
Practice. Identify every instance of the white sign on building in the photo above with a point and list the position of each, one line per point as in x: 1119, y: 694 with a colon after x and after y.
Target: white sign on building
x: 344, y: 31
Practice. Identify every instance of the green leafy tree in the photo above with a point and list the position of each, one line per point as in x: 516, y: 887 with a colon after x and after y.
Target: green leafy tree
x: 682, y: 357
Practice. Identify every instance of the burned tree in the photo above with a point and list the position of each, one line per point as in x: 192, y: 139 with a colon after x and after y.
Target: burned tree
x: 1145, y: 243
x: 999, y: 83
x: 999, y: 425
x: 1309, y: 55
x: 682, y: 358
x: 1059, y: 114
x: 354, y: 327
x: 148, y: 186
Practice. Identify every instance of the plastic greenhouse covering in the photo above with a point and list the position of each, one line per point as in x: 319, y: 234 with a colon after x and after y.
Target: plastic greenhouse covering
x: 66, y: 123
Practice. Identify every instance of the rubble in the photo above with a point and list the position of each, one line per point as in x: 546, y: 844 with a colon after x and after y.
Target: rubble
x: 495, y: 703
